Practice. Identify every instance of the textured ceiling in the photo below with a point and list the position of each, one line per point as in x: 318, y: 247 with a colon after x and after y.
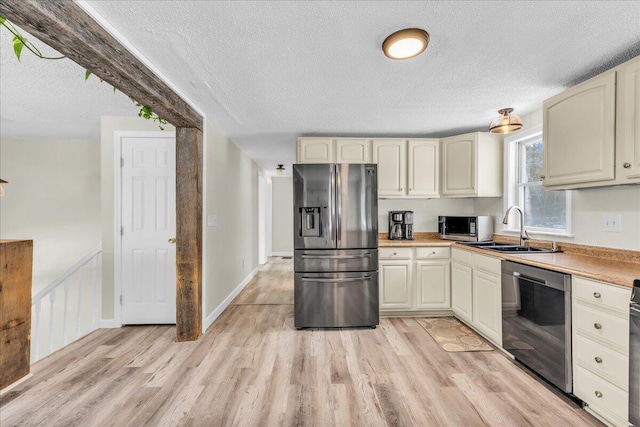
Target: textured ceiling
x: 266, y: 72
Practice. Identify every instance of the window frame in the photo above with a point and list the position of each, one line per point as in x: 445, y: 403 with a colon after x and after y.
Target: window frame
x: 513, y: 189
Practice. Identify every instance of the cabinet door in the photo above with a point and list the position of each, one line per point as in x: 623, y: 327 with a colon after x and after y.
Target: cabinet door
x: 461, y: 291
x: 432, y: 284
x: 628, y: 116
x: 487, y: 305
x: 424, y: 169
x: 459, y: 165
x: 391, y: 157
x: 315, y: 150
x: 579, y: 133
x: 350, y: 150
x: 395, y: 285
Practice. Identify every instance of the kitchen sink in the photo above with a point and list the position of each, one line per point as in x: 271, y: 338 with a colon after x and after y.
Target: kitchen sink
x: 518, y: 249
x: 505, y: 247
x: 486, y: 245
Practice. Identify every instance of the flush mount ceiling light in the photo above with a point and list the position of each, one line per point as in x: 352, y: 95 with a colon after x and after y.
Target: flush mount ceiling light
x: 405, y: 44
x: 506, y: 122
x: 280, y: 169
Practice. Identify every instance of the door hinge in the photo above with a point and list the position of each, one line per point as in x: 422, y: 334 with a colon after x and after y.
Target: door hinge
x: 121, y: 161
x: 122, y: 231
x: 120, y: 299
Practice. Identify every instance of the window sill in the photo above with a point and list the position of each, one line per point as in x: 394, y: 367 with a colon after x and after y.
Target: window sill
x: 538, y: 233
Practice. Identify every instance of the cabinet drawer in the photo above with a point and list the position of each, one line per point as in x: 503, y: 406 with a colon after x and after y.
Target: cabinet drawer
x: 433, y: 252
x: 601, y: 360
x: 601, y: 294
x: 488, y: 264
x: 607, y: 328
x: 602, y: 396
x: 461, y: 256
x: 394, y: 253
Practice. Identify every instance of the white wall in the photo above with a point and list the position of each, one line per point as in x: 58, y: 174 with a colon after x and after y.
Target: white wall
x: 231, y: 193
x: 109, y: 125
x: 282, y: 216
x: 53, y: 198
x: 588, y: 207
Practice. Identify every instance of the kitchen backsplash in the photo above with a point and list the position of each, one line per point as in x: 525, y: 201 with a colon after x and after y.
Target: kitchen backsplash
x: 425, y: 212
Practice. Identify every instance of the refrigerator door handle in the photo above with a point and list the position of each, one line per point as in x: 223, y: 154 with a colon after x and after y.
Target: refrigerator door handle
x: 367, y: 255
x: 634, y: 310
x: 343, y: 280
x: 338, y: 217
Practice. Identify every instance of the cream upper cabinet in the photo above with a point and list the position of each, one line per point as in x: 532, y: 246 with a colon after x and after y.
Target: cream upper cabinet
x: 471, y: 165
x: 592, y: 131
x: 353, y: 150
x: 315, y: 150
x: 391, y: 157
x: 424, y: 167
x: 628, y: 122
x: 579, y: 133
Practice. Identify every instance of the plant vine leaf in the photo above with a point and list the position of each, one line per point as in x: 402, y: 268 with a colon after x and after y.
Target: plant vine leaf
x: 87, y: 74
x: 17, y: 46
x: 2, y: 19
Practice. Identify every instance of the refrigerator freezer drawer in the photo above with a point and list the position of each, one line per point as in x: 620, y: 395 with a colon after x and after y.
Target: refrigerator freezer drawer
x: 315, y: 261
x: 335, y: 300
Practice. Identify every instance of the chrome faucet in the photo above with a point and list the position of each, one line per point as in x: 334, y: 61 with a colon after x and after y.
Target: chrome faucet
x: 523, y: 233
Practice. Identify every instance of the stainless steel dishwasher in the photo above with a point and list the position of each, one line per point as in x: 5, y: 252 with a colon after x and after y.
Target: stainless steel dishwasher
x: 634, y: 355
x: 536, y: 321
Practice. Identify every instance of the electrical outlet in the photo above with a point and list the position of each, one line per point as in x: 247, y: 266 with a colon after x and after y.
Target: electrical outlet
x: 612, y: 223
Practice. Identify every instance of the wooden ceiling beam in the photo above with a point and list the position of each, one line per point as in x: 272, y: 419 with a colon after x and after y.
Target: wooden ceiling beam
x: 67, y: 28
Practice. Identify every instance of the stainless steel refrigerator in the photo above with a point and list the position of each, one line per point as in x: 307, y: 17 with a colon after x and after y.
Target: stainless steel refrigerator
x: 335, y: 245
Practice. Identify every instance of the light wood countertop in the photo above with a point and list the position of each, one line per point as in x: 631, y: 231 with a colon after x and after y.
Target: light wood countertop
x: 618, y: 267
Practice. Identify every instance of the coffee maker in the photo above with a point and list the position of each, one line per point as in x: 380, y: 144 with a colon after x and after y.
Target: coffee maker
x: 400, y: 225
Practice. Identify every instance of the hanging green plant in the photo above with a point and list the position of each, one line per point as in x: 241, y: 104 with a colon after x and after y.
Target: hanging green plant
x: 19, y: 42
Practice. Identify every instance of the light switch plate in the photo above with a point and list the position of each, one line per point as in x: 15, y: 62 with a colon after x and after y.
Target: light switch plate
x: 612, y: 223
x: 212, y: 220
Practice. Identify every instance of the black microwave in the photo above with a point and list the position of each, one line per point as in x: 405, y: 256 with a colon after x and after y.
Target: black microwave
x: 466, y: 228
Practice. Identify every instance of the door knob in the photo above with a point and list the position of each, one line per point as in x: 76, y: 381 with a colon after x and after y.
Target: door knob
x: 172, y: 240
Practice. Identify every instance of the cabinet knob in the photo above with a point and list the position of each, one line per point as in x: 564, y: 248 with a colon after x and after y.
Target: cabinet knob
x: 597, y: 325
x: 598, y: 394
x: 626, y: 165
x: 395, y: 253
x: 596, y: 295
x: 598, y: 359
x: 542, y: 176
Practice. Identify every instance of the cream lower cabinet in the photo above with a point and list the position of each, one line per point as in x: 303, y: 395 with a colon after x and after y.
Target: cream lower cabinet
x: 414, y: 279
x: 476, y: 292
x: 395, y: 285
x: 600, y: 335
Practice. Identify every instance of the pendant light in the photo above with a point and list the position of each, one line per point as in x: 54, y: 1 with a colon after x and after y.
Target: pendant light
x: 506, y: 122
x: 2, y: 181
x: 405, y: 44
x: 280, y: 169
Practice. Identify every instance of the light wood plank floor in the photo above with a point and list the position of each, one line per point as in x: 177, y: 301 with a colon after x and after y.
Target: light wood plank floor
x: 253, y: 368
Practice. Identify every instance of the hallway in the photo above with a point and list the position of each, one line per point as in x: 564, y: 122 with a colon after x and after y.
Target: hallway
x: 252, y: 367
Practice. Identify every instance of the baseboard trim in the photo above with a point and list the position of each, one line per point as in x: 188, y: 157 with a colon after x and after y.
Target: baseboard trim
x: 109, y: 324
x: 423, y: 313
x: 224, y: 304
x: 281, y: 253
x: 15, y: 384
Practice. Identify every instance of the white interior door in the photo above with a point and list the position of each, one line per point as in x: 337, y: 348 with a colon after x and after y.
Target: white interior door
x: 148, y: 224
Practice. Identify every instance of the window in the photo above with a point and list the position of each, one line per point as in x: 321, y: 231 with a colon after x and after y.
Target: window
x: 544, y: 211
